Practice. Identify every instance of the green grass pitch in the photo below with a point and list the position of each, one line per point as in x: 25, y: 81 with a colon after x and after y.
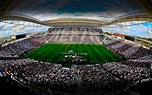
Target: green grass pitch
x: 50, y: 52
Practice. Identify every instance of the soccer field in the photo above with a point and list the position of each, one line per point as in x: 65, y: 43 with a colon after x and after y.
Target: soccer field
x: 51, y: 52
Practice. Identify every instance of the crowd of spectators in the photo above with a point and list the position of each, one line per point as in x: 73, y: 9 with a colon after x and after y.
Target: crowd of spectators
x: 20, y: 47
x: 127, y: 50
x: 7, y: 51
x: 141, y: 53
x: 128, y: 73
x: 147, y: 58
x: 92, y: 77
x: 112, y: 75
x: 138, y: 63
x: 76, y: 35
x: 49, y: 75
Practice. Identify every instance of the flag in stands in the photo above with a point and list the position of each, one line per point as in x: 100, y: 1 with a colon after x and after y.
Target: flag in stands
x: 5, y: 72
x: 1, y: 73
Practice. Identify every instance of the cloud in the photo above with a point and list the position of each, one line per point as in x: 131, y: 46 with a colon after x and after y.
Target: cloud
x: 135, y: 30
x: 97, y: 9
x: 11, y: 29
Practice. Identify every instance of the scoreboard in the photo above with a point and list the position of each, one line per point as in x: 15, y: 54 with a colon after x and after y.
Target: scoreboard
x: 20, y: 36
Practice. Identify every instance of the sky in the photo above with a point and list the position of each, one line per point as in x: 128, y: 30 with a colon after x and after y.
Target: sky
x: 104, y: 10
x: 136, y: 30
x: 7, y: 30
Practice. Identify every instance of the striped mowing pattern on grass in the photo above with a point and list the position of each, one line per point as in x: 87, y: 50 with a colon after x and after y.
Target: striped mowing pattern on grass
x: 95, y: 52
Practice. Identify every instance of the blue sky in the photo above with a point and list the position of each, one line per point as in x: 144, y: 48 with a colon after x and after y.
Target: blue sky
x: 135, y: 30
x: 140, y: 30
x: 11, y: 29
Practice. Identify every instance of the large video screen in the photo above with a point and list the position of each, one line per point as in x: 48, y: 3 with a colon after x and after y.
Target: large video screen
x: 20, y: 36
x: 129, y: 38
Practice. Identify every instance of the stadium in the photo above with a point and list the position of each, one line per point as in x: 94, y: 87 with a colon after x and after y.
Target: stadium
x: 75, y: 47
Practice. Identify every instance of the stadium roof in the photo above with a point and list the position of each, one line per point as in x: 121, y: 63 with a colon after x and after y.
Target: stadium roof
x: 98, y: 13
